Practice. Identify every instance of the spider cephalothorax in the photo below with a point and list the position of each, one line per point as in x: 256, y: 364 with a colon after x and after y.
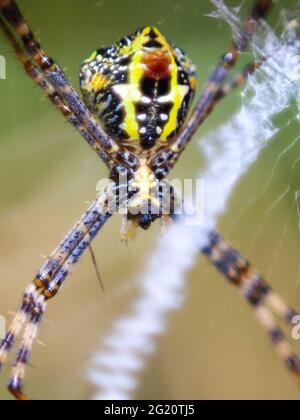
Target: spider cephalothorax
x: 142, y: 198
x: 141, y: 89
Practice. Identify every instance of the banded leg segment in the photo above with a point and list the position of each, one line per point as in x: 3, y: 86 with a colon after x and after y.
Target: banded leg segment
x: 237, y: 81
x: 56, y: 99
x: 239, y: 271
x: 164, y: 161
x: 220, y: 74
x: 67, y: 246
x: 257, y: 293
x: 57, y: 78
x: 45, y: 286
x: 38, y: 307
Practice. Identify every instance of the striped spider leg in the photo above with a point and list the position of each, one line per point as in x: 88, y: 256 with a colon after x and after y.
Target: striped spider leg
x: 57, y: 100
x: 145, y: 67
x: 164, y: 161
x: 227, y: 260
x: 98, y: 138
x: 258, y: 293
x: 47, y: 283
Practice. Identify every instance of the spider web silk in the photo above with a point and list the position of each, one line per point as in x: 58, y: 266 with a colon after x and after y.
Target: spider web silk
x: 122, y: 355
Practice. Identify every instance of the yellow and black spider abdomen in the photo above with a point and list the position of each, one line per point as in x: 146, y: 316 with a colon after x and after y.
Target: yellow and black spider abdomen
x: 141, y: 88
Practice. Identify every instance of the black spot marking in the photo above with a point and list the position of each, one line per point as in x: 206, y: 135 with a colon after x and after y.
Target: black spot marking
x: 148, y: 87
x: 23, y: 356
x: 125, y: 61
x: 293, y: 363
x: 153, y: 44
x: 152, y: 34
x: 148, y: 141
x: 276, y: 336
x: 164, y: 86
x: 165, y: 108
x: 142, y: 108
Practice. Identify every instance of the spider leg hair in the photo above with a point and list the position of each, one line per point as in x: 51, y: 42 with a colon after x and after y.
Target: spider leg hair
x: 46, y: 285
x: 212, y: 93
x: 258, y: 293
x: 60, y: 82
x: 56, y: 99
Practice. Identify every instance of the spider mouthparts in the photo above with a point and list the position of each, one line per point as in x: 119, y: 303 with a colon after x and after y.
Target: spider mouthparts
x: 145, y: 221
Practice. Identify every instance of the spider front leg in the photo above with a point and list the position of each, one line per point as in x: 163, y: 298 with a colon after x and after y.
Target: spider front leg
x: 46, y: 285
x: 163, y: 162
x: 63, y: 94
x: 214, y: 90
x: 209, y: 96
x: 52, y: 71
x: 56, y: 99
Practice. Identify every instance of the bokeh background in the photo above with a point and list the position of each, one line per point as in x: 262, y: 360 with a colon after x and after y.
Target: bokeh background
x: 214, y: 348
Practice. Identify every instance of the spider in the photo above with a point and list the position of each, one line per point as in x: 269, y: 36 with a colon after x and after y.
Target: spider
x: 141, y: 90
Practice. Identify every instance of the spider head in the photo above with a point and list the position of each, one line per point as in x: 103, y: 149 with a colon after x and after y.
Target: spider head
x: 141, y: 88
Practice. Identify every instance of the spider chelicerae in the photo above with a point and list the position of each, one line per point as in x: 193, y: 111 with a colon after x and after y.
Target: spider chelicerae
x: 141, y: 90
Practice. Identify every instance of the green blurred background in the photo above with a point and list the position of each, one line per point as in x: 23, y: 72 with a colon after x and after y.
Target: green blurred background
x: 214, y: 347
